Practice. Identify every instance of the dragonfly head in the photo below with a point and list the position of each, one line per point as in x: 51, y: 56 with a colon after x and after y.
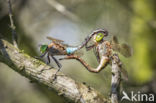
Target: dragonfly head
x: 99, y: 37
x: 100, y: 34
x: 43, y: 48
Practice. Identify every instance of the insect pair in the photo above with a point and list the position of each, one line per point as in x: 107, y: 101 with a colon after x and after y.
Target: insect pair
x: 103, y: 50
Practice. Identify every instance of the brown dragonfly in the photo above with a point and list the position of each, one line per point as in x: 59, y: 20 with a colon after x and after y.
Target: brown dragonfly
x: 103, y: 50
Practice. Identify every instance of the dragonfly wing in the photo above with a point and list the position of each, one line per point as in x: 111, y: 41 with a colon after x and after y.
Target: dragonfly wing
x: 115, y: 44
x: 116, y: 47
x: 65, y: 45
x: 58, y: 41
x: 55, y: 40
x: 78, y: 53
x: 124, y: 73
x: 125, y: 50
x: 115, y: 40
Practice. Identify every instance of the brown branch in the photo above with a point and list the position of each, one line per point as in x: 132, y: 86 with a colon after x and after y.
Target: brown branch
x: 116, y: 78
x: 41, y: 73
x: 12, y: 26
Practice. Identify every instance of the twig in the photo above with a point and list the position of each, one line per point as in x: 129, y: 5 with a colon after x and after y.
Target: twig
x: 12, y: 26
x: 63, y: 10
x: 38, y: 71
x: 116, y: 78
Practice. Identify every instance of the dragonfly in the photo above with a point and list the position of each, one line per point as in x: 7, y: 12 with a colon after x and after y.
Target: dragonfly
x: 104, y: 50
x: 58, y: 47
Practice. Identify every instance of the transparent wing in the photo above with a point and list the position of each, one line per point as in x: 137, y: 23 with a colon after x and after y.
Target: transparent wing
x: 115, y: 39
x: 124, y: 73
x: 115, y: 44
x: 78, y: 53
x: 55, y: 40
x: 124, y: 49
x: 58, y: 41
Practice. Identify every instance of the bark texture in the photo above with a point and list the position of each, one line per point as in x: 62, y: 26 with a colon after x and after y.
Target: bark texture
x: 116, y: 78
x: 38, y: 71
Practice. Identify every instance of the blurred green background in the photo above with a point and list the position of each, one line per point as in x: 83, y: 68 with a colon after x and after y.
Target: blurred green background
x: 132, y: 21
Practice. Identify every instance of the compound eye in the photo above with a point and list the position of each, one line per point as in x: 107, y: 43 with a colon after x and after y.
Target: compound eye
x: 43, y: 48
x: 99, y: 37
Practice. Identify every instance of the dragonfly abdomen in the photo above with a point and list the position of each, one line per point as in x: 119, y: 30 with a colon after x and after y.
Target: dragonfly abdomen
x: 71, y: 50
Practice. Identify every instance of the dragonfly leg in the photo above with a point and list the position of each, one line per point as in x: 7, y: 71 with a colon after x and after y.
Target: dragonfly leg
x: 89, y: 47
x: 98, y: 57
x: 103, y: 63
x: 96, y: 52
x: 47, y: 62
x: 43, y: 55
x: 48, y: 59
x: 58, y: 64
x: 56, y: 61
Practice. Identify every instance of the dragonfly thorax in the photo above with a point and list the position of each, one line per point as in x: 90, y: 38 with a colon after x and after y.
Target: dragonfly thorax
x: 104, y: 48
x: 56, y: 49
